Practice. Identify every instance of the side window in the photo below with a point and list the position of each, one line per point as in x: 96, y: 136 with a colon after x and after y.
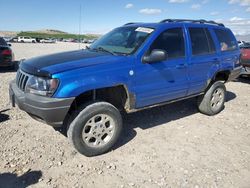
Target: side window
x: 210, y: 41
x: 172, y: 41
x: 226, y: 40
x: 201, y: 41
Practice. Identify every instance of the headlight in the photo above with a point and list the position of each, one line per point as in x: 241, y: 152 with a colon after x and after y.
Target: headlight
x: 42, y: 86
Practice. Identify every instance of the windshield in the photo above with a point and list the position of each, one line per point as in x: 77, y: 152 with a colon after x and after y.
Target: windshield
x: 123, y: 40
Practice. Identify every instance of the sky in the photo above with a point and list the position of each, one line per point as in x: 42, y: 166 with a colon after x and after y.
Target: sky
x: 100, y: 16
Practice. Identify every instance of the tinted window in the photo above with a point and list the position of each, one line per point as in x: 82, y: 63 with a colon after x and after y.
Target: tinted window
x: 210, y: 41
x: 201, y: 41
x: 2, y: 42
x: 226, y: 40
x: 172, y: 41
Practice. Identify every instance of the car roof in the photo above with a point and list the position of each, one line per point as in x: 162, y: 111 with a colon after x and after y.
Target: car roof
x: 203, y: 23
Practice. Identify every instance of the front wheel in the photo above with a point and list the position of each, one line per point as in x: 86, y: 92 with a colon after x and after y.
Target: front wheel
x: 95, y: 128
x: 212, y: 102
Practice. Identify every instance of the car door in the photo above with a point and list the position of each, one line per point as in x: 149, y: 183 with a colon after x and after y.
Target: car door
x: 157, y: 82
x: 229, y: 51
x: 203, y: 58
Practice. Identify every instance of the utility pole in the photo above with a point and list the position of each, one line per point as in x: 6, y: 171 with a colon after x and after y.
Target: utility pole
x: 80, y: 24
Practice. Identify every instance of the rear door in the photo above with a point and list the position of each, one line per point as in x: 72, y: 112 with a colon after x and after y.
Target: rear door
x: 228, y: 47
x: 203, y: 58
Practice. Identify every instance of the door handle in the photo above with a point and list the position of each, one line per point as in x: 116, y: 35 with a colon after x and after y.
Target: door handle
x: 181, y: 66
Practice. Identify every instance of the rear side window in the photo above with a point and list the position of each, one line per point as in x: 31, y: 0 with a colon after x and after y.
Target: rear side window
x: 172, y: 41
x: 201, y: 40
x: 226, y: 40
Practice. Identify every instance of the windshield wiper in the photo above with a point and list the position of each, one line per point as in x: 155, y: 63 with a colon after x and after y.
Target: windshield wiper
x: 102, y: 50
x: 121, y: 53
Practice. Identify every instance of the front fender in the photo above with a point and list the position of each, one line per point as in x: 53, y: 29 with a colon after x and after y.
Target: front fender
x: 74, y: 83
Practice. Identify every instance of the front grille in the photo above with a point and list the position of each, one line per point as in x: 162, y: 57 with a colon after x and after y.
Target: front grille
x: 21, y: 79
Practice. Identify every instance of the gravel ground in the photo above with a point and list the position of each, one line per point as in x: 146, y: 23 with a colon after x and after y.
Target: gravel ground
x: 169, y: 146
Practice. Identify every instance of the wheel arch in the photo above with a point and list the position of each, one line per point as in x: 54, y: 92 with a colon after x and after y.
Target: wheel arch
x: 118, y: 95
x: 222, y: 75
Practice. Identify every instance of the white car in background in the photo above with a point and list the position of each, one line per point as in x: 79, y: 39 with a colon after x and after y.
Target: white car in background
x: 47, y: 40
x: 26, y: 40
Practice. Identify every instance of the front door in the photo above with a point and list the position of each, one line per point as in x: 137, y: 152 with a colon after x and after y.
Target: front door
x: 159, y: 82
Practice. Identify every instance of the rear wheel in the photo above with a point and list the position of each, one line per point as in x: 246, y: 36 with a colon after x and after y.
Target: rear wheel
x: 95, y: 128
x: 212, y: 102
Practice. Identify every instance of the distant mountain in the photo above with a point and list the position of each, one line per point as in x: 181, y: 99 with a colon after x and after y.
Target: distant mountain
x: 243, y: 37
x: 8, y: 33
x: 50, y: 31
x: 47, y: 33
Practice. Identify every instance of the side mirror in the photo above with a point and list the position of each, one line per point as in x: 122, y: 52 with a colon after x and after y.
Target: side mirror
x: 9, y: 44
x: 156, y: 55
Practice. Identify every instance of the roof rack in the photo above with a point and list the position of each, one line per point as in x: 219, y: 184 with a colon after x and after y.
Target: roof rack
x: 192, y: 21
x: 130, y: 23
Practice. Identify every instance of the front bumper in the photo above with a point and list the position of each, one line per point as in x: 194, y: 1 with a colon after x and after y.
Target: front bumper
x: 235, y: 73
x: 49, y: 110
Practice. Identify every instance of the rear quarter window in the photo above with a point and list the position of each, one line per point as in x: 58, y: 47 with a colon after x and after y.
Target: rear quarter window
x: 226, y: 40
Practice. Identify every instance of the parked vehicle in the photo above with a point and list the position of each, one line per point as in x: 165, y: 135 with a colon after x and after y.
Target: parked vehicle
x: 7, y: 39
x: 26, y: 40
x: 240, y: 43
x: 245, y: 58
x: 88, y: 41
x: 47, y: 40
x: 133, y: 67
x: 14, y: 39
x: 6, y: 54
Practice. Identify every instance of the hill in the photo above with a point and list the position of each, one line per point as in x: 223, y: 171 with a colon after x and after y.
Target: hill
x: 8, y: 33
x: 50, y: 31
x: 47, y: 33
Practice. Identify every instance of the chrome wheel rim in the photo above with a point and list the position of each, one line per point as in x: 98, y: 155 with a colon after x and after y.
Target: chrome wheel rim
x: 217, y: 98
x: 98, y: 130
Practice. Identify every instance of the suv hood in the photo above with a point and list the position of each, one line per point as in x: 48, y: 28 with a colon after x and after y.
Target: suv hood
x: 60, y: 62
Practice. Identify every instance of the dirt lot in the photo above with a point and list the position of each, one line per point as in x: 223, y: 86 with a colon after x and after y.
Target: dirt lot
x: 170, y: 146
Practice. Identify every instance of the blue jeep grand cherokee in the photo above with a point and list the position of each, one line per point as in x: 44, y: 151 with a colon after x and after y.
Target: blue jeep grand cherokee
x: 133, y: 67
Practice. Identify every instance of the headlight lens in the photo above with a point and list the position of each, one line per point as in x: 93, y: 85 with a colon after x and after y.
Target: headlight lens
x: 42, y: 86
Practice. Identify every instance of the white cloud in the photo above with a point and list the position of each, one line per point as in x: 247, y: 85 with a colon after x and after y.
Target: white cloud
x: 130, y: 5
x: 196, y: 6
x: 178, y: 1
x: 248, y: 9
x: 239, y: 26
x: 233, y: 19
x: 214, y: 13
x: 241, y: 2
x: 150, y: 11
